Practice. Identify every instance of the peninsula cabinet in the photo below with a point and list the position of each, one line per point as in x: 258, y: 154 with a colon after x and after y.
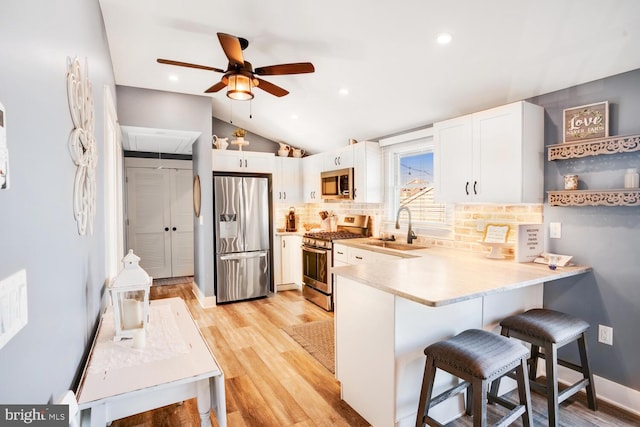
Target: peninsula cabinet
x: 493, y: 156
x: 242, y: 161
x: 311, y: 169
x: 287, y: 183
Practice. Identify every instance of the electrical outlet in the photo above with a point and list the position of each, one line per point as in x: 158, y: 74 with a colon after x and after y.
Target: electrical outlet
x: 605, y: 334
x: 555, y: 230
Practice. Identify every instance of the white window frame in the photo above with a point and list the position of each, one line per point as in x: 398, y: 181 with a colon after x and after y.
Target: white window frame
x: 391, y: 152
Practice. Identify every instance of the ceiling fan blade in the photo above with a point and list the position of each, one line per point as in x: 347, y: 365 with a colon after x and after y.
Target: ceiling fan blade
x: 216, y: 87
x: 186, y: 64
x: 271, y: 88
x: 232, y: 48
x: 295, y: 68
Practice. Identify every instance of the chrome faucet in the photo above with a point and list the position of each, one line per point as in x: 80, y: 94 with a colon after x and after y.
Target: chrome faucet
x: 411, y: 236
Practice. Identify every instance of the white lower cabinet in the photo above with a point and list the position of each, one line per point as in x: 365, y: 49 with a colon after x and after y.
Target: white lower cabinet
x: 288, y: 262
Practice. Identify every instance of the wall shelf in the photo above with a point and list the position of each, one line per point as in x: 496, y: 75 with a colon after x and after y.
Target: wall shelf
x: 594, y: 147
x: 612, y: 197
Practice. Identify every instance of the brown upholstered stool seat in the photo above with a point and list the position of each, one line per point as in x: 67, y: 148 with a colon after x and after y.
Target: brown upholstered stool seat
x: 478, y: 358
x: 550, y: 330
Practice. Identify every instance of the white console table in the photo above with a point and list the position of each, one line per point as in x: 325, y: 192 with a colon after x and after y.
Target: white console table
x: 175, y: 365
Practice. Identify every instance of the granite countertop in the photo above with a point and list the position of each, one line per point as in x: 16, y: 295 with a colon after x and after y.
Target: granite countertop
x: 437, y: 276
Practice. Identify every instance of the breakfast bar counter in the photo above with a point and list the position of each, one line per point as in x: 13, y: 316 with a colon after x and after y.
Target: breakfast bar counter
x: 439, y: 276
x: 387, y: 312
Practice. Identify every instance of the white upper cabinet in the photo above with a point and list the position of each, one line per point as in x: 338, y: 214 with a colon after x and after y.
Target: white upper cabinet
x: 340, y: 158
x: 287, y: 180
x: 242, y: 161
x: 367, y: 172
x: 311, y: 169
x: 493, y: 156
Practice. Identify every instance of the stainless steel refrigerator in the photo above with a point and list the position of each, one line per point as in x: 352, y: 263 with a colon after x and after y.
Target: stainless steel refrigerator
x: 242, y: 237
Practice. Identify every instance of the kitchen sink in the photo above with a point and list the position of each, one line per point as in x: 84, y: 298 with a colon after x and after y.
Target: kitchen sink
x: 399, y: 246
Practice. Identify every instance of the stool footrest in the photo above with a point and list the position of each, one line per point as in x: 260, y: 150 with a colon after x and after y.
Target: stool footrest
x: 449, y: 393
x: 509, y: 418
x: 568, y: 392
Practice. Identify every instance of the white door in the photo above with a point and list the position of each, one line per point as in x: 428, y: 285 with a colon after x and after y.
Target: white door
x: 181, y: 222
x: 160, y: 220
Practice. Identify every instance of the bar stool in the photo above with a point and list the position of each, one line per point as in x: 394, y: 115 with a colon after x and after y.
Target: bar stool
x: 478, y: 358
x: 550, y: 330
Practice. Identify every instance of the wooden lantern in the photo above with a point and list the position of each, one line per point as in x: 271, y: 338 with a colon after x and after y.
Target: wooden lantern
x: 130, y: 298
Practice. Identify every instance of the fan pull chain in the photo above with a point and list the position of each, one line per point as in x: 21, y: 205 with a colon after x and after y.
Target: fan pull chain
x: 230, y: 111
x: 250, y: 108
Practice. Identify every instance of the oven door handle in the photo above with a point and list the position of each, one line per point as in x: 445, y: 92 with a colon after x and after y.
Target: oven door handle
x: 314, y: 250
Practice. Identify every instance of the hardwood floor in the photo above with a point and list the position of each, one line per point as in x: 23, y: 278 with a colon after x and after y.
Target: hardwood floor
x: 272, y: 381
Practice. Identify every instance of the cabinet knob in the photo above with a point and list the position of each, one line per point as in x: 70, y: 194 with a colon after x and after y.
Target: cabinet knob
x: 174, y: 229
x: 166, y: 229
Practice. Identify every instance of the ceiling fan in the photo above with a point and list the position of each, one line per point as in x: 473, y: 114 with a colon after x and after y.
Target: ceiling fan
x: 240, y: 77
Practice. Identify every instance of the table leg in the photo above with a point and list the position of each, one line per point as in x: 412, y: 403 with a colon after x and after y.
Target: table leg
x: 204, y: 402
x: 96, y: 416
x: 218, y: 399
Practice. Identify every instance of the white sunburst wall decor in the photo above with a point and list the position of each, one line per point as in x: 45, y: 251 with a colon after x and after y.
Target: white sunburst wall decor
x: 82, y: 144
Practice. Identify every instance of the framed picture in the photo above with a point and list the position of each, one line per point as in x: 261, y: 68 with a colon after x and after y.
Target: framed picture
x: 586, y: 122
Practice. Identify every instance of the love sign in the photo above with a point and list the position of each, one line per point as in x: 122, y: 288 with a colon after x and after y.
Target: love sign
x: 586, y: 122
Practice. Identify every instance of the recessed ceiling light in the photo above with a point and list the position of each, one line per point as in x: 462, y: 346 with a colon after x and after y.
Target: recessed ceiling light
x: 443, y: 38
x: 173, y: 78
x: 344, y: 91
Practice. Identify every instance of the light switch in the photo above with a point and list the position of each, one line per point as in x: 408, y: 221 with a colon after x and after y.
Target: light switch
x: 555, y: 230
x: 13, y: 305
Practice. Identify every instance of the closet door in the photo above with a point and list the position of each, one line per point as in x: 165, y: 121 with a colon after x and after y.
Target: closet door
x: 181, y: 222
x: 149, y: 219
x: 160, y: 220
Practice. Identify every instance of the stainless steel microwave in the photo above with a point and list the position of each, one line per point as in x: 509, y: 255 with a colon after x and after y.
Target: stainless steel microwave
x: 337, y: 184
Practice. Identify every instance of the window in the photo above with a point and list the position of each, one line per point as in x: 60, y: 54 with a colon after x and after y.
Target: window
x: 410, y: 182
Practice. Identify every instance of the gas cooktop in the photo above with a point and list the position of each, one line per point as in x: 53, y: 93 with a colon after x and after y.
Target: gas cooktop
x: 333, y: 235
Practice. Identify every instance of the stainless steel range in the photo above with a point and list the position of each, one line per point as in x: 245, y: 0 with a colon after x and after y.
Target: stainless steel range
x: 317, y: 258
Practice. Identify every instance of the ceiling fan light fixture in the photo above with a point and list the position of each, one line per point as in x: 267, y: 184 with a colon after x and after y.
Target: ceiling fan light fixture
x: 239, y: 87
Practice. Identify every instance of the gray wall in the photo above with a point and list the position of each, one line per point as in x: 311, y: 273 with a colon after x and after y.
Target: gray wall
x: 164, y: 110
x: 607, y: 238
x: 167, y: 110
x: 65, y: 271
x: 256, y: 142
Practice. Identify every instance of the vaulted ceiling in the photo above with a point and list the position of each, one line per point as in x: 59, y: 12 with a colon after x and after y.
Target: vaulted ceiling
x: 384, y: 53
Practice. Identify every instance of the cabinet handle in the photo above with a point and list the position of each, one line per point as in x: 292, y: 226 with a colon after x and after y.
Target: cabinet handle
x: 240, y: 162
x: 466, y: 188
x: 340, y: 253
x: 285, y: 195
x: 354, y: 193
x: 245, y: 163
x: 358, y: 257
x: 166, y: 229
x: 335, y: 161
x: 284, y: 243
x: 474, y: 187
x: 339, y: 160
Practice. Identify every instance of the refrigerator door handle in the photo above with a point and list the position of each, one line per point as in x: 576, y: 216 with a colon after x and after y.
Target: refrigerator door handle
x: 248, y: 255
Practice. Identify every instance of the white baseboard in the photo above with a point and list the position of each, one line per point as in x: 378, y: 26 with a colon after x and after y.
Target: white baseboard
x: 205, y: 302
x: 608, y: 391
x: 288, y: 287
